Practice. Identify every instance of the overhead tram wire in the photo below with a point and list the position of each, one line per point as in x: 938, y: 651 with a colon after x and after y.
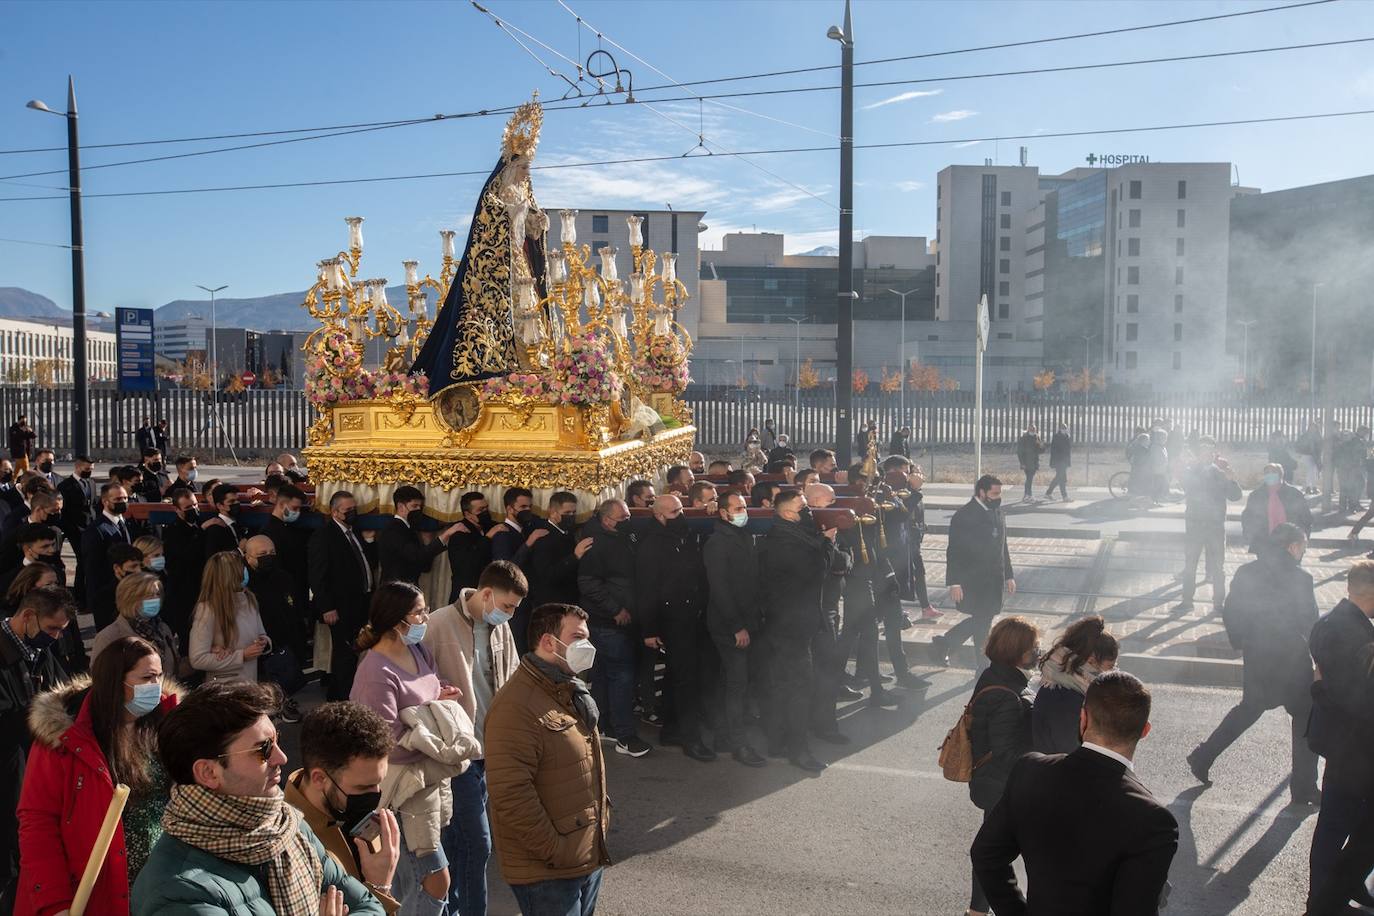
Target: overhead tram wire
x: 701, y: 82
x: 487, y: 112
x: 1240, y: 122
x: 996, y: 47
x: 701, y: 131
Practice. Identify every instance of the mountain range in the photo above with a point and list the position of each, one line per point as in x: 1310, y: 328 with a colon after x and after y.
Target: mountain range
x: 277, y: 312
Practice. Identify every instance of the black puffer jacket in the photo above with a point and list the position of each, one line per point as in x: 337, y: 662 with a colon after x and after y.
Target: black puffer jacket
x: 606, y: 574
x: 1001, y: 731
x: 732, y: 572
x: 670, y: 581
x: 794, y: 561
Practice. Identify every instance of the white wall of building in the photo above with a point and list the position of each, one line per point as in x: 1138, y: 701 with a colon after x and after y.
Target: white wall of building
x: 24, y: 344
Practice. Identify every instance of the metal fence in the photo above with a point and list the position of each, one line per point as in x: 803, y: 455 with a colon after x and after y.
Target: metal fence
x: 260, y: 422
x: 724, y: 416
x: 257, y: 422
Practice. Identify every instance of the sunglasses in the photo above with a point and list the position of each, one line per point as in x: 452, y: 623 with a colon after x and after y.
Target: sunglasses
x: 263, y: 750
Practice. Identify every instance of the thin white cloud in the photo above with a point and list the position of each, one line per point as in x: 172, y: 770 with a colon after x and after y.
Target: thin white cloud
x: 784, y: 198
x: 960, y: 114
x: 909, y: 186
x: 905, y: 97
x: 1364, y: 83
x: 967, y: 143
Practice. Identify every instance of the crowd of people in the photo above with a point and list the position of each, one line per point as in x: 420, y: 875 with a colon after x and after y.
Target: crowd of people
x: 453, y: 732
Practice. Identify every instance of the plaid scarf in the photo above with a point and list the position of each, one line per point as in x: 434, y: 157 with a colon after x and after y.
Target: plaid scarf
x: 251, y: 831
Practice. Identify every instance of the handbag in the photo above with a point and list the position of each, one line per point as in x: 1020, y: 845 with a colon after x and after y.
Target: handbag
x: 956, y: 751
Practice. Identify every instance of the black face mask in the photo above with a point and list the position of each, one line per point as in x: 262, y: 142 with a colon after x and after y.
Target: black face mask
x: 233, y: 511
x: 119, y: 508
x: 155, y: 466
x: 85, y: 475
x: 40, y: 641
x: 526, y: 517
x: 357, y: 808
x: 994, y: 503
x: 806, y: 518
x: 7, y: 477
x: 46, y: 467
x: 266, y: 564
x: 350, y: 516
x: 678, y: 525
x: 484, y: 519
x: 295, y: 474
x: 190, y: 516
x: 414, y: 516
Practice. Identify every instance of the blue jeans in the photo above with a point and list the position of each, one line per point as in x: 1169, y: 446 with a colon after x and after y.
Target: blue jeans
x: 467, y: 843
x: 410, y: 871
x: 559, y: 897
x: 613, y: 680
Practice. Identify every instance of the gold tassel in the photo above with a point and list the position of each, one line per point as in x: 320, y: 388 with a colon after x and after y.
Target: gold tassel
x: 863, y: 548
x: 882, y: 531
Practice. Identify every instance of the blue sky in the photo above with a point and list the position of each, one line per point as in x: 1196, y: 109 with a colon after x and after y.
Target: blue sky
x: 159, y: 70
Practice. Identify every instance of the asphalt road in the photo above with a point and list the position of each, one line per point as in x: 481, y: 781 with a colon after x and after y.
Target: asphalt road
x: 882, y: 832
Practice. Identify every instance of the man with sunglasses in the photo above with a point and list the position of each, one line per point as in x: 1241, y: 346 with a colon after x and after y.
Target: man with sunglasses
x: 231, y: 842
x: 28, y: 666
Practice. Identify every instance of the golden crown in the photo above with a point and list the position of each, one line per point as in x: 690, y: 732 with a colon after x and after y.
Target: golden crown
x: 521, y: 137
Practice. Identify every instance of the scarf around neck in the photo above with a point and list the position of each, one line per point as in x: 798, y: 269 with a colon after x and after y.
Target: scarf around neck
x: 582, y: 697
x: 253, y: 832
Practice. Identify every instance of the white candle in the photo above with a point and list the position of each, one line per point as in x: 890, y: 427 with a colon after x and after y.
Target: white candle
x: 636, y: 233
x: 637, y: 288
x: 591, y: 296
x: 447, y: 235
x: 379, y: 295
x: 568, y: 222
x: 669, y: 267
x: 355, y: 232
x: 412, y: 272
x: 556, y: 267
x: 608, y: 268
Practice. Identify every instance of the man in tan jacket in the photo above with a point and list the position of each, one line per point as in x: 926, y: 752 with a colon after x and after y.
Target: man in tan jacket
x: 474, y: 651
x: 337, y: 790
x: 549, y: 810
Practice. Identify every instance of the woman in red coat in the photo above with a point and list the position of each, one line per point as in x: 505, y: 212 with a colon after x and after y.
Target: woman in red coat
x: 89, y: 735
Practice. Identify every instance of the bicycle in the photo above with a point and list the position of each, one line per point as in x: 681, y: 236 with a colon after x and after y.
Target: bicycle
x: 1119, y: 484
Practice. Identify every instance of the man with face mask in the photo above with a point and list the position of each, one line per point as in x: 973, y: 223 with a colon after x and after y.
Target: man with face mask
x: 469, y: 549
x: 28, y: 666
x: 154, y: 478
x: 406, y: 553
x: 474, y: 650
x: 518, y: 532
x: 732, y: 618
x: 223, y: 531
x: 669, y: 580
x: 1209, y: 483
x: 283, y: 619
x: 184, y: 547
x: 338, y: 790
x: 92, y: 572
x: 341, y: 581
x: 1268, y: 615
x: 1271, y: 504
x: 552, y: 564
x: 230, y: 841
x: 545, y: 771
x: 977, y: 569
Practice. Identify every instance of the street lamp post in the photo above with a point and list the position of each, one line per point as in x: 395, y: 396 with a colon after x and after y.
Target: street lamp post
x: 1245, y: 352
x: 214, y: 368
x: 845, y: 295
x: 901, y: 407
x: 81, y: 395
x: 1312, y: 377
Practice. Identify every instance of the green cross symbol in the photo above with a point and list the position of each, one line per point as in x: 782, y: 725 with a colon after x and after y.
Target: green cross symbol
x: 1092, y: 158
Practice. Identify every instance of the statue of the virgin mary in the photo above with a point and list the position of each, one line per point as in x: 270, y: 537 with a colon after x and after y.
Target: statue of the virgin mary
x: 475, y: 333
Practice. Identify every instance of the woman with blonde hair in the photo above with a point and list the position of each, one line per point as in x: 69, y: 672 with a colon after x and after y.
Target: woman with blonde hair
x: 139, y: 600
x: 1001, y: 729
x: 153, y: 559
x: 227, y: 635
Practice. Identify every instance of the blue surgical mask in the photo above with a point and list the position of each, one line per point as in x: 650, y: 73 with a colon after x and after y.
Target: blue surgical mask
x: 739, y: 520
x: 244, y: 583
x: 146, y: 699
x: 191, y: 475
x: 1272, y: 479
x: 496, y: 616
x: 291, y: 515
x: 414, y: 633
x: 150, y: 607
x: 157, y: 564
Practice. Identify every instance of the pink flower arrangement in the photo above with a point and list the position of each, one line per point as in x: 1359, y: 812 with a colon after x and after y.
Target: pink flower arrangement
x: 663, y: 367
x: 526, y: 384
x: 586, y: 373
x: 336, y: 376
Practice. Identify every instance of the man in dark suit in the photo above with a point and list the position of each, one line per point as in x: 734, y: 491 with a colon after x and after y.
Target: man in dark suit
x: 552, y: 563
x: 1093, y: 838
x: 290, y: 539
x: 1342, y: 723
x: 183, y: 544
x: 404, y: 552
x: 92, y: 572
x: 78, y: 501
x: 978, y: 568
x: 44, y: 461
x: 1268, y: 615
x: 143, y: 436
x: 33, y: 485
x: 222, y: 532
x: 512, y: 539
x: 161, y: 439
x: 341, y: 578
x: 153, y: 476
x: 469, y: 549
x: 794, y: 559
